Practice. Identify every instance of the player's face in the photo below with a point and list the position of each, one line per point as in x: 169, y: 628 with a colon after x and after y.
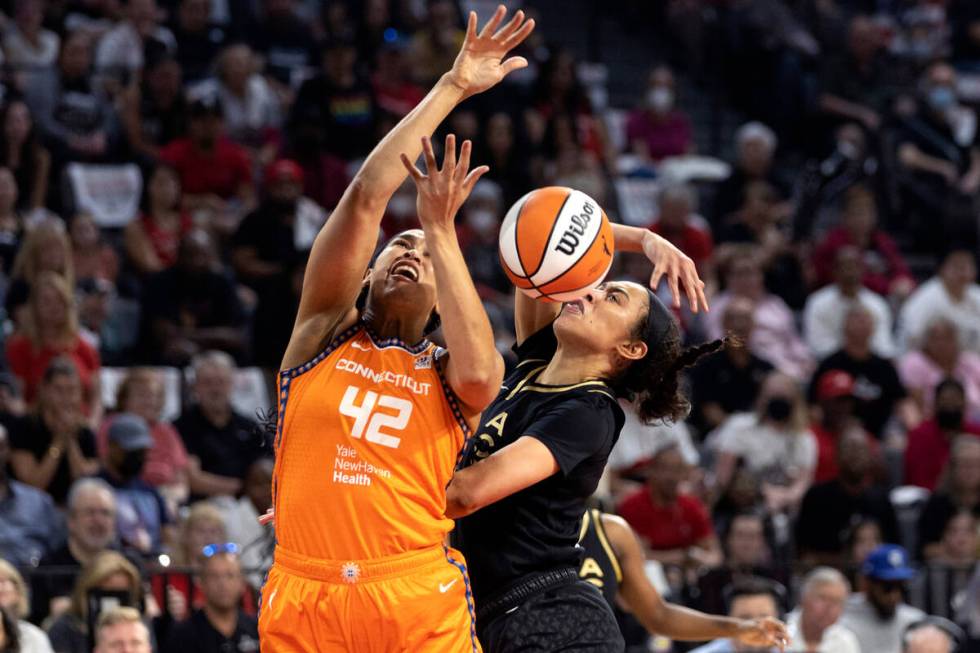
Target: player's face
x: 402, y: 275
x: 605, y: 319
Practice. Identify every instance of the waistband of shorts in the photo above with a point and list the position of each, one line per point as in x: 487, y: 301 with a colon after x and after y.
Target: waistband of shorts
x: 523, y: 589
x: 359, y: 571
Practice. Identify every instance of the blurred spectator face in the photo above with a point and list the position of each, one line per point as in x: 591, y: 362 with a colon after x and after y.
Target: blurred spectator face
x: 258, y: 484
x: 338, y: 63
x: 92, y: 519
x: 8, y: 190
x: 50, y: 304
x: 127, y: 637
x: 205, y: 130
x: 563, y: 73
x: 164, y: 189
x: 755, y: 156
x: 853, y: 456
x: 285, y: 183
x: 960, y: 538
x: 212, y: 387
x: 193, y: 15
x: 884, y: 596
x: 145, y: 395
x: 83, y: 231
x: 29, y: 16
x: 779, y: 397
x: 739, y: 319
x: 483, y: 211
x: 867, y: 538
x: 144, y: 15
x: 660, y: 90
x: 940, y: 87
x: 823, y: 605
x: 959, y: 270
x: 76, y: 55
x: 667, y: 471
x: 164, y: 80
x: 465, y: 124
x: 236, y: 66
x: 758, y: 203
x: 859, y: 326
x: 950, y: 407
x: 442, y: 15
x: 200, y: 533
x: 849, y: 268
x: 53, y: 252
x: 745, y: 278
x: 675, y: 207
x: 63, y: 393
x: 964, y: 464
x: 851, y: 142
x: 746, y: 542
x: 860, y: 215
x: 17, y: 124
x: 928, y: 639
x: 9, y: 593
x: 94, y: 304
x: 500, y: 133
x: 196, y: 253
x: 750, y: 607
x: 221, y: 582
x: 117, y: 582
x: 941, y: 342
x: 863, y: 38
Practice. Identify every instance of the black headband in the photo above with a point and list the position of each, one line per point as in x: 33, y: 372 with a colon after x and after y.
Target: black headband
x: 659, y: 321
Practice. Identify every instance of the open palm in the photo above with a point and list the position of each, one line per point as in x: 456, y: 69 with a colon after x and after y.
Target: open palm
x: 480, y: 63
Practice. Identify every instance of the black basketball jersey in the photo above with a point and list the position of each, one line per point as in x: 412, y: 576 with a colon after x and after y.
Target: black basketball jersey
x: 599, y: 565
x: 536, y: 529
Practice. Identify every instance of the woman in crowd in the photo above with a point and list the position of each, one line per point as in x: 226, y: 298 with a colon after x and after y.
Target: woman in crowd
x: 46, y: 248
x: 92, y: 256
x: 939, y: 356
x: 21, y: 151
x: 11, y: 221
x: 13, y: 599
x: 152, y: 240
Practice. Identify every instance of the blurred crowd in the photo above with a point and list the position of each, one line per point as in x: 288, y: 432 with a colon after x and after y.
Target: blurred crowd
x: 166, y: 164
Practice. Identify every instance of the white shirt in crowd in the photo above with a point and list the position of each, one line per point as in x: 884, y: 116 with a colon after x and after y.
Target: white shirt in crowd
x: 245, y: 117
x: 932, y: 300
x: 873, y: 633
x: 122, y: 47
x: 766, y: 452
x: 836, y: 639
x: 23, y: 55
x: 638, y: 441
x: 823, y: 321
x: 33, y: 639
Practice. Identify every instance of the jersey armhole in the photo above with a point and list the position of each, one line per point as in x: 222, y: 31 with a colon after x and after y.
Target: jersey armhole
x: 337, y: 341
x: 604, y: 541
x: 455, y: 405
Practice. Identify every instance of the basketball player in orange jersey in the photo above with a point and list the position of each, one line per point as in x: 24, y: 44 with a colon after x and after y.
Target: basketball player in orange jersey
x: 371, y: 416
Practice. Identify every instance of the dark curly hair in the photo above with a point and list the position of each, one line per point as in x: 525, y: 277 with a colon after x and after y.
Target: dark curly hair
x: 654, y: 381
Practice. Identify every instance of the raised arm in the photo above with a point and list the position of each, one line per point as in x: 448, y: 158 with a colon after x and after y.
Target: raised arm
x: 530, y: 315
x: 343, y: 248
x: 474, y: 368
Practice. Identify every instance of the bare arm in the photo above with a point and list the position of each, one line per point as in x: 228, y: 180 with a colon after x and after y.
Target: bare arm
x: 912, y: 157
x: 138, y: 248
x: 670, y: 620
x: 509, y: 470
x: 35, y: 472
x: 851, y: 110
x: 343, y: 248
x: 475, y: 368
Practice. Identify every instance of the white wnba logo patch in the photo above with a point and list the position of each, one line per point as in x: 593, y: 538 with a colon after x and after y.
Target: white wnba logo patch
x: 350, y: 572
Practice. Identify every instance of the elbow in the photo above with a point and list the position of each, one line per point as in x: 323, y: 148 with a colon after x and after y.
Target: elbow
x: 363, y: 195
x: 478, y: 385
x: 461, y: 501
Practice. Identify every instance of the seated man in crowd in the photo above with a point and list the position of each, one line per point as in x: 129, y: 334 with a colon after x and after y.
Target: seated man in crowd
x: 750, y: 598
x: 122, y: 629
x: 813, y: 624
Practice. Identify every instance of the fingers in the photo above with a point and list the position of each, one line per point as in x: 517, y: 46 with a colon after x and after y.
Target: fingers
x: 412, y: 169
x: 430, y: 156
x: 675, y: 291
x: 471, y: 26
x: 474, y: 177
x: 464, y: 161
x: 449, y: 155
x: 494, y: 22
x: 512, y: 64
x: 511, y: 27
x: 518, y: 37
x: 658, y: 274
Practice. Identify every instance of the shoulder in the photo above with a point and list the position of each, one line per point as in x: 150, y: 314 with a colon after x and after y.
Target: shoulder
x: 28, y: 493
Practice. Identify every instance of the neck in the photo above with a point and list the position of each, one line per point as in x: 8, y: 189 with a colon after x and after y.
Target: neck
x: 955, y: 291
x: 851, y: 485
x: 79, y: 552
x: 568, y: 367
x: 407, y: 329
x: 225, y: 620
x: 857, y: 351
x: 849, y: 290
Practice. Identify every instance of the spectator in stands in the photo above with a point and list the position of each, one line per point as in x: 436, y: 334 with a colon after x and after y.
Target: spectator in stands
x: 256, y: 542
x: 928, y: 445
x: 835, y: 394
x: 92, y: 257
x: 658, y: 129
x: 110, y: 321
x: 755, y: 147
x: 154, y: 111
x: 941, y: 356
x: 28, y: 48
x: 964, y: 17
x: 13, y: 599
x: 674, y: 526
x: 677, y: 222
x: 220, y: 624
x: 249, y: 104
x: 853, y: 85
x: 325, y: 174
x: 959, y: 491
x: 937, y: 152
x: 434, y: 47
x: 748, y: 598
x: 775, y: 338
x: 74, y: 117
x: 884, y: 271
x: 29, y: 524
x: 198, y: 39
x: 22, y: 152
x: 143, y: 393
x: 729, y: 382
x: 344, y: 99
x: 285, y: 41
x: 878, y: 616
x: 52, y: 331
x: 202, y: 526
x: 270, y: 243
x: 143, y: 519
x: 153, y: 239
x: 479, y: 231
x: 958, y: 548
x: 394, y: 91
x: 215, y: 173
x: 222, y: 444
x: 11, y: 221
x: 829, y: 509
x: 773, y: 442
x: 813, y: 624
x: 823, y: 317
x: 46, y: 248
x: 878, y: 391
x: 91, y: 513
x: 968, y: 612
x: 954, y: 294
x: 120, y: 53
x: 108, y: 575
x: 860, y: 540
x: 54, y: 446
x: 191, y: 306
x: 122, y: 629
x: 505, y: 153
x: 573, y: 165
x: 930, y: 638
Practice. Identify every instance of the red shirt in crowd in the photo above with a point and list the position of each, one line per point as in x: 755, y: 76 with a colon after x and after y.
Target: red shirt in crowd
x: 883, y: 264
x: 676, y: 526
x: 222, y: 171
x: 927, y: 452
x: 668, y: 137
x: 694, y: 242
x: 827, y: 469
x: 28, y: 364
x: 166, y: 243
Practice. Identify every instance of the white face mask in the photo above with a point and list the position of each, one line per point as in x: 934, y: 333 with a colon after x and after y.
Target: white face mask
x: 660, y: 99
x: 482, y: 220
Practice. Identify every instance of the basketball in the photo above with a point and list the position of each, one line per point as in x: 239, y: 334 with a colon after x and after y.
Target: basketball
x: 556, y: 244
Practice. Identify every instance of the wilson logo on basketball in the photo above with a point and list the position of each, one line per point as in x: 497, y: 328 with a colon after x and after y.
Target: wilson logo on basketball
x: 570, y: 240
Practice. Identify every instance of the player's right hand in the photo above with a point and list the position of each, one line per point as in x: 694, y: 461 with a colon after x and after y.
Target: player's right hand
x: 479, y: 64
x: 442, y: 192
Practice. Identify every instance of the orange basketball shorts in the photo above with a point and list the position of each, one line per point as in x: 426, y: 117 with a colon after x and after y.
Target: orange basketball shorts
x: 418, y: 602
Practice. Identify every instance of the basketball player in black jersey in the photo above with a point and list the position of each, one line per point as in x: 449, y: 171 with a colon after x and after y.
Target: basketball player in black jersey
x: 519, y: 492
x: 614, y: 562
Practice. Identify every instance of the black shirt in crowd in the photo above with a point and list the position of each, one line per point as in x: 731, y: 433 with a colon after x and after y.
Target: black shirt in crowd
x: 939, y: 509
x: 877, y: 387
x: 349, y: 128
x: 718, y: 380
x: 536, y: 529
x: 228, y: 450
x: 829, y: 513
x: 197, y: 635
x: 31, y: 434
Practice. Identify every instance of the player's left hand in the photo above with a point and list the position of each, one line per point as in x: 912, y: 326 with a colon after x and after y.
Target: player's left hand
x: 442, y: 192
x: 678, y: 268
x: 763, y: 632
x: 480, y: 63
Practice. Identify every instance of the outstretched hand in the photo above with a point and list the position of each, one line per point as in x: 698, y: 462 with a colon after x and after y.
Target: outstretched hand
x: 480, y: 63
x: 442, y: 192
x: 764, y: 632
x: 678, y: 268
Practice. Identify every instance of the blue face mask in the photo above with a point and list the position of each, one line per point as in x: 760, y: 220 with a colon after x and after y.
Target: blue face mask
x: 941, y: 98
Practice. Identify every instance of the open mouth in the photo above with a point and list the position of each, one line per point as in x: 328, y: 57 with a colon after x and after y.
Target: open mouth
x: 575, y: 307
x: 407, y: 270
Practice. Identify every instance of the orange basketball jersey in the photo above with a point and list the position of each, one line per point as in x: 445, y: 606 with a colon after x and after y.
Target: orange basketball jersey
x: 368, y: 436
